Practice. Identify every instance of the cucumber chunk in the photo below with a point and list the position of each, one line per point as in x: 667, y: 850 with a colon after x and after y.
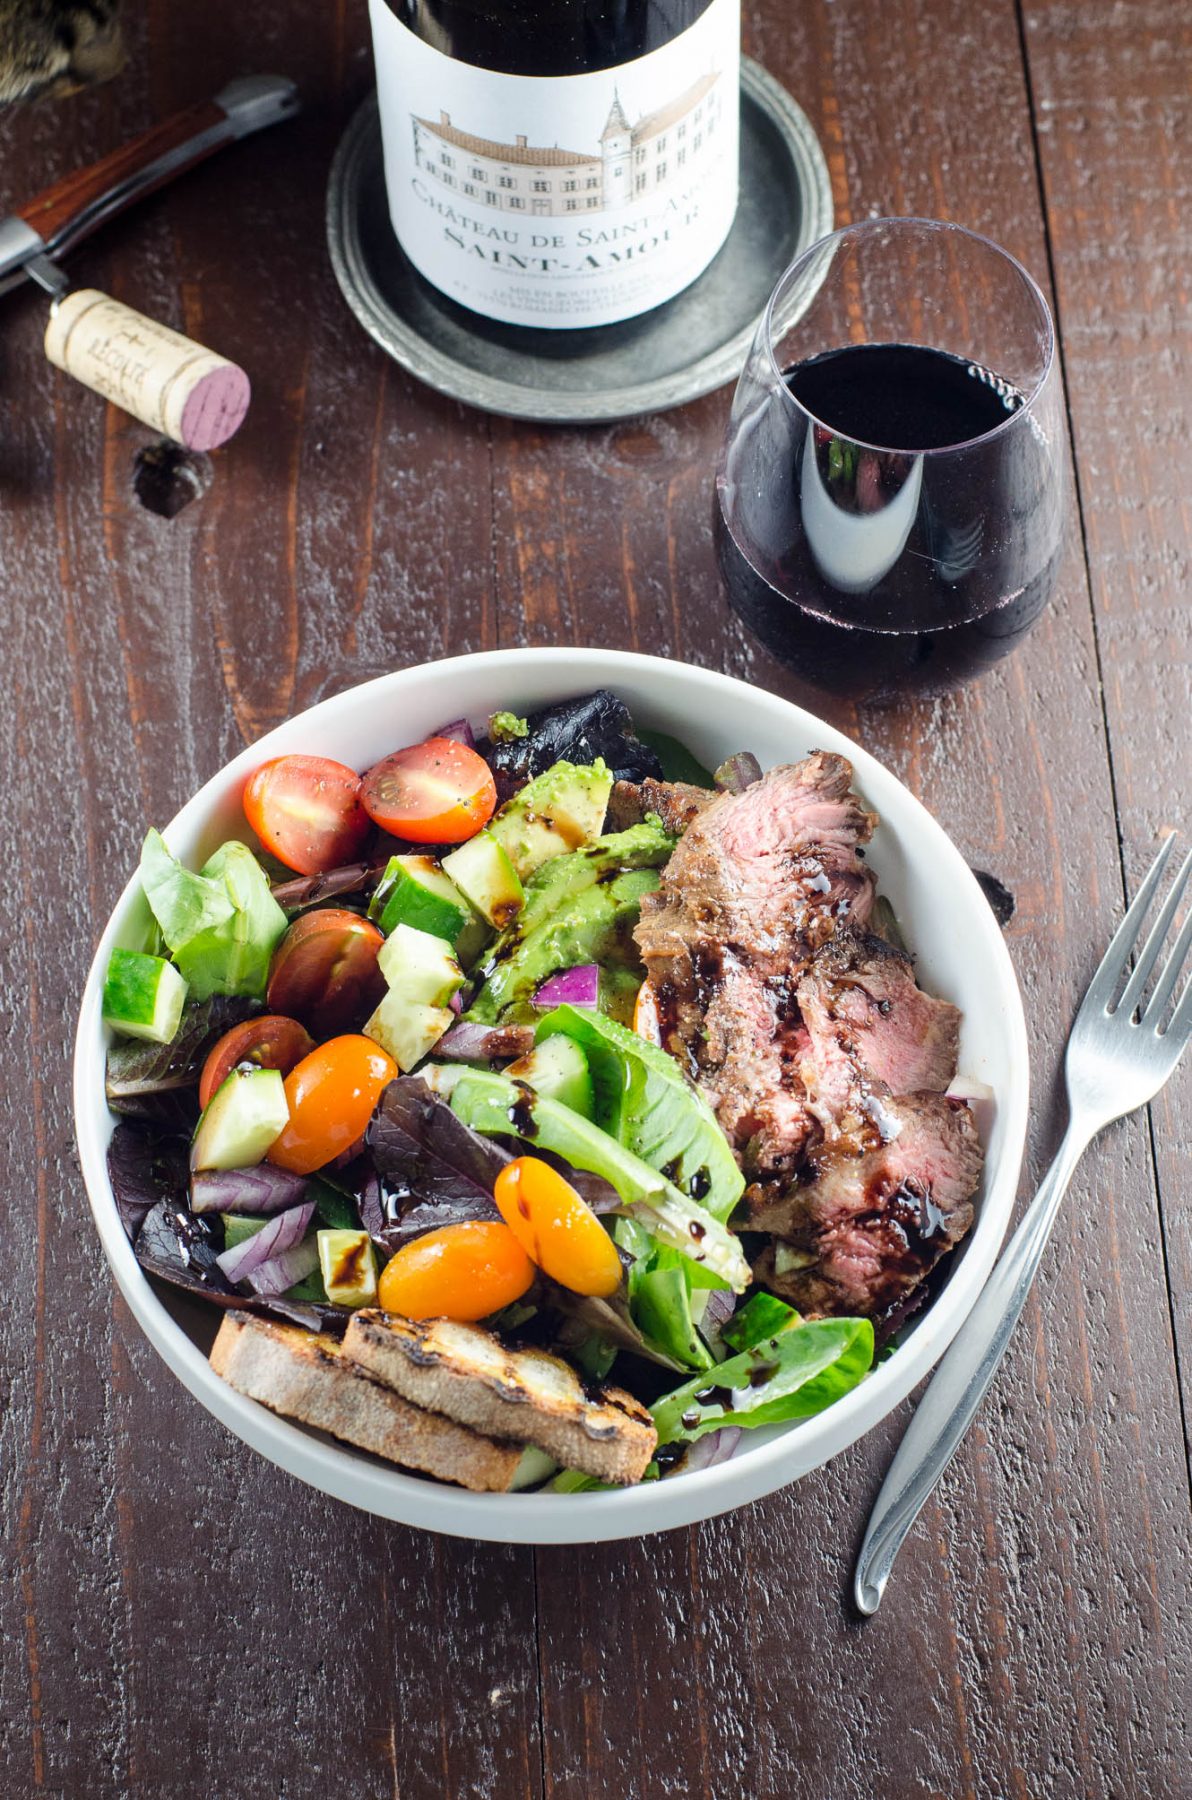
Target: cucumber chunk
x: 414, y: 890
x: 143, y: 996
x: 535, y: 1467
x: 558, y: 1068
x: 406, y: 1029
x: 348, y: 1267
x: 241, y: 1120
x: 481, y: 869
x: 419, y: 966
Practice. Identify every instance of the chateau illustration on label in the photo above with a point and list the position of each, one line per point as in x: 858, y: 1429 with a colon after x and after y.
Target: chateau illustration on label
x: 633, y: 162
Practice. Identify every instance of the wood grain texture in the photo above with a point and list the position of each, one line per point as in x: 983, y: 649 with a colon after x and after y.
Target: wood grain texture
x: 1113, y: 101
x: 176, y: 1616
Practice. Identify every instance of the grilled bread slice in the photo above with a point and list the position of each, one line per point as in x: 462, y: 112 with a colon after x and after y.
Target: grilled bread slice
x: 528, y: 1396
x: 309, y: 1378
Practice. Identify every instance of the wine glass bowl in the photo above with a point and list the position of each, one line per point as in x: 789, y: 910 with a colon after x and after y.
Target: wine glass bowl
x: 890, y: 496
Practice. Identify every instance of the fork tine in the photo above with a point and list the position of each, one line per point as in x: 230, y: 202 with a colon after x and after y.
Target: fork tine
x: 1148, y: 955
x: 1109, y: 970
x: 1171, y: 974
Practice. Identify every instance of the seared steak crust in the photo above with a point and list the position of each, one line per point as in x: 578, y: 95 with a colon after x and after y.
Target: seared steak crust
x: 675, y: 802
x: 862, y: 1227
x: 758, y: 881
x: 823, y: 1059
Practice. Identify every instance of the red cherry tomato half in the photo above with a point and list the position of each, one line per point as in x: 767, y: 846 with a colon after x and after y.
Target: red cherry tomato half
x: 439, y: 792
x: 324, y: 971
x: 307, y: 811
x: 271, y: 1042
x: 332, y: 1094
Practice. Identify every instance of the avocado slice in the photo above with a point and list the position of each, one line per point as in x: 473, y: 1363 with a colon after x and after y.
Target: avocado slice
x: 643, y: 1101
x: 498, y: 1107
x: 595, y: 926
x: 559, y: 810
x: 641, y: 847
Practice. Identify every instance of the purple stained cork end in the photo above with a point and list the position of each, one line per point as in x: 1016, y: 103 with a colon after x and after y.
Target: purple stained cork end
x: 215, y: 408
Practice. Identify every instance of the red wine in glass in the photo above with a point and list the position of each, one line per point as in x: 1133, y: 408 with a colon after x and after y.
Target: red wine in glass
x: 889, y: 513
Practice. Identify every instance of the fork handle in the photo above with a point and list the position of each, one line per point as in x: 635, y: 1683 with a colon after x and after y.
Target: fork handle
x: 962, y: 1380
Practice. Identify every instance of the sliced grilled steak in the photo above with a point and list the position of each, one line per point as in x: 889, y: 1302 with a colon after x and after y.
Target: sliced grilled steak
x: 757, y: 883
x: 675, y: 802
x: 861, y: 1230
x: 870, y: 1029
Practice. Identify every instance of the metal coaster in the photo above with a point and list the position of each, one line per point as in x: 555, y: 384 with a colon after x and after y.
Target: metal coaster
x: 687, y: 347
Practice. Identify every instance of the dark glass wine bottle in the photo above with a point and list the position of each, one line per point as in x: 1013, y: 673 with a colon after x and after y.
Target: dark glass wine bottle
x: 559, y: 163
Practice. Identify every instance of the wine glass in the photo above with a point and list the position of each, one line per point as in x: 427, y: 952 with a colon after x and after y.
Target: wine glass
x: 890, y: 496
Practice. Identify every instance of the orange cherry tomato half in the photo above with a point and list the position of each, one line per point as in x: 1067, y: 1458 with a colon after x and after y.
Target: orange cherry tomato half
x: 556, y: 1228
x: 460, y: 1272
x: 324, y: 971
x: 269, y: 1041
x: 332, y: 1094
x: 307, y: 811
x: 647, y: 1021
x: 439, y: 792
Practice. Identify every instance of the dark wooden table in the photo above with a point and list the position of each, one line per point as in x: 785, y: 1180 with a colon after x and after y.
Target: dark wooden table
x: 179, y: 1618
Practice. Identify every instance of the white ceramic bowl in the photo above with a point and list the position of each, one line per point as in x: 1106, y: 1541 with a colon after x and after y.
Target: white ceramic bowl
x: 946, y: 920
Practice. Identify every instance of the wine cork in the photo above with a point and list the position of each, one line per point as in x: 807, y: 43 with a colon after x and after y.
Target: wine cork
x: 164, y: 379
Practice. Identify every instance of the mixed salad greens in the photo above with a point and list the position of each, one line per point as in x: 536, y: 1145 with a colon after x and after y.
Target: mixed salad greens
x: 402, y: 1056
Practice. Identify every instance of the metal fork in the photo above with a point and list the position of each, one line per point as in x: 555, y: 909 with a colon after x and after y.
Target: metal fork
x: 1114, y: 1063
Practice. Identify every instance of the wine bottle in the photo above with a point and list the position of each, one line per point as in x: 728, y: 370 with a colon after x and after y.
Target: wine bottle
x: 559, y: 163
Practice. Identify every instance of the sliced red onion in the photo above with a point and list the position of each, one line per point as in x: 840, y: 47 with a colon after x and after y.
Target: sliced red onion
x: 980, y: 1097
x: 456, y: 1002
x: 720, y: 1306
x: 280, y: 1273
x: 738, y: 773
x: 460, y: 730
x: 571, y: 987
x: 260, y: 1192
x: 273, y: 1240
x: 470, y: 1042
x: 714, y: 1447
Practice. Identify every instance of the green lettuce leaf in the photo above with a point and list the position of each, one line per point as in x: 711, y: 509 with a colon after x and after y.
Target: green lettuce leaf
x: 644, y: 1102
x: 791, y: 1376
x: 221, y: 925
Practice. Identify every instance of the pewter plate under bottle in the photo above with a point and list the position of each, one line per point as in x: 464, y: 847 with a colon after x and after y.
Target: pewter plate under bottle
x: 684, y: 348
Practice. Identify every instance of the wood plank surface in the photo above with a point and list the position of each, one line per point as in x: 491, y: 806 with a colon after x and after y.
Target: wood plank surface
x: 176, y: 1616
x: 1113, y: 102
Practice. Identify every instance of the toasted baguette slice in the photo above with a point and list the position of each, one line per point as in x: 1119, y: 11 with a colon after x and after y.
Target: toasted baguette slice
x: 309, y: 1378
x: 526, y: 1395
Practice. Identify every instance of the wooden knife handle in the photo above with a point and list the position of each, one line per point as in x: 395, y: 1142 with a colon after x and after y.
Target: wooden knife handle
x: 78, y: 194
x: 82, y: 201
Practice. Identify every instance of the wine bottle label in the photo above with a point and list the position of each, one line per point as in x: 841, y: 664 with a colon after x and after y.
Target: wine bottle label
x: 566, y: 201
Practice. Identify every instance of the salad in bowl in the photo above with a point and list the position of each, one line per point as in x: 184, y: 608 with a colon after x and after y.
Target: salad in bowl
x: 534, y: 1112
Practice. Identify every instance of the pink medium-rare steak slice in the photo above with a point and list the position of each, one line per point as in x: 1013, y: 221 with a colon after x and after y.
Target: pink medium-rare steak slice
x: 862, y: 1226
x: 870, y: 1028
x: 759, y: 880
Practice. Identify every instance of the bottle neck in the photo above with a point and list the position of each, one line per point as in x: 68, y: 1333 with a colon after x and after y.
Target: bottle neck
x: 547, y: 37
